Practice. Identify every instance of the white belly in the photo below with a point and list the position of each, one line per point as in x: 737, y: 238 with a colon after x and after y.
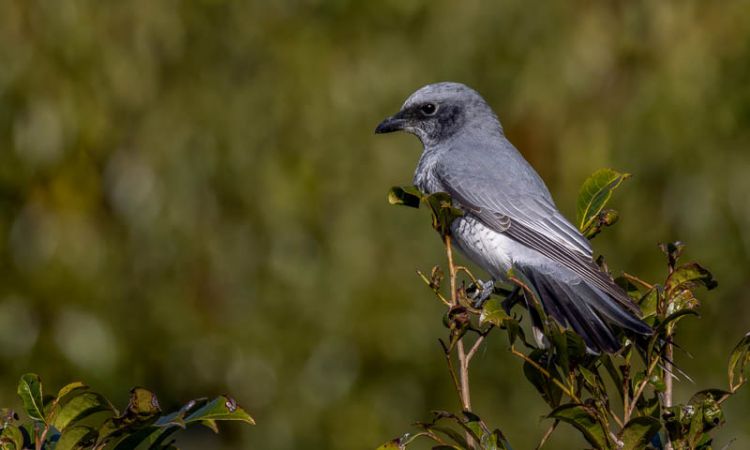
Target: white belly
x: 487, y: 248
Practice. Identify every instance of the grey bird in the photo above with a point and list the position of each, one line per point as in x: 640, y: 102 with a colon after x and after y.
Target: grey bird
x: 510, y: 219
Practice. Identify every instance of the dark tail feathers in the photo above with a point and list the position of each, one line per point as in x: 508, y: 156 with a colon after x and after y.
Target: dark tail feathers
x: 591, y: 313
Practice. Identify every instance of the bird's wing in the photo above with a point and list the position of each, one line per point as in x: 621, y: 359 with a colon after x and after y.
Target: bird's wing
x: 529, y: 218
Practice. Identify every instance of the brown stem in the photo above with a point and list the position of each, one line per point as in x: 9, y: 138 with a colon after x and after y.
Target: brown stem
x: 476, y: 345
x: 637, y: 280
x: 452, y: 371
x: 464, y: 374
x: 639, y: 390
x: 667, y: 399
x: 451, y: 269
x: 463, y: 362
x: 547, y: 434
x: 435, y: 290
x: 39, y: 441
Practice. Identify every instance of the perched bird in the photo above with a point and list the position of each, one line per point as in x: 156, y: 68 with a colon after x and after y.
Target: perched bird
x: 510, y: 219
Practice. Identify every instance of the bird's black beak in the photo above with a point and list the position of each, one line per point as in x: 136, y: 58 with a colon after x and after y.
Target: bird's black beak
x: 391, y: 124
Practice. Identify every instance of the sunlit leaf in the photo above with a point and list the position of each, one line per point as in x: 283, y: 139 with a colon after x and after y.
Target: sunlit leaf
x: 79, y: 407
x: 11, y: 436
x: 76, y: 438
x: 177, y: 418
x: 394, y: 444
x: 405, y: 195
x: 638, y: 432
x: 220, y: 408
x: 738, y: 361
x: 649, y: 302
x: 493, y: 312
x: 30, y: 391
x: 584, y: 421
x: 143, y: 408
x: 689, y: 276
x: 70, y: 388
x: 143, y: 403
x: 594, y: 195
x: 443, y: 212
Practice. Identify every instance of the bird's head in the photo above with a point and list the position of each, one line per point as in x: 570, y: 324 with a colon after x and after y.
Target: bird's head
x: 436, y: 112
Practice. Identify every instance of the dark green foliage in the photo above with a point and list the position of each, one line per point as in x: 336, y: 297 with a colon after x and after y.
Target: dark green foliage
x: 78, y: 418
x: 580, y: 387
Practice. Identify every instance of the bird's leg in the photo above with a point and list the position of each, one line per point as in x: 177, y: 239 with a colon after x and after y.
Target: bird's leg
x: 483, y: 292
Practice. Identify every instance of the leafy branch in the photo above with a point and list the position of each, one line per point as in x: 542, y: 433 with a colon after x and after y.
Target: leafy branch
x: 640, y: 412
x: 79, y: 418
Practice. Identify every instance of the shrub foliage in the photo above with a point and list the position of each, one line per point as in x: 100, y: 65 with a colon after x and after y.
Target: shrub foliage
x: 619, y: 401
x: 79, y: 418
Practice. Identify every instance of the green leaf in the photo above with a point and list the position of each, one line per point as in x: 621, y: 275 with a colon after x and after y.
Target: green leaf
x: 443, y: 212
x: 591, y: 378
x: 402, y: 442
x: 143, y: 408
x: 594, y: 195
x: 143, y: 403
x: 76, y: 438
x: 584, y: 420
x: 674, y: 318
x: 30, y: 391
x: 738, y: 361
x: 220, y: 408
x: 493, y: 312
x: 141, y: 436
x: 405, y: 195
x: 70, y: 388
x: 689, y: 276
x: 177, y: 418
x: 638, y: 432
x: 648, y: 302
x: 11, y: 436
x: 551, y: 392
x: 393, y: 444
x: 79, y: 407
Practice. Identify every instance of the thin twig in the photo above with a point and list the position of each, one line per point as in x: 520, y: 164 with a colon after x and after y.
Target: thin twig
x: 452, y: 371
x: 547, y: 434
x: 451, y: 269
x: 668, y: 355
x: 477, y: 343
x: 468, y: 273
x: 434, y: 289
x: 639, y: 390
x: 464, y: 373
x: 637, y: 280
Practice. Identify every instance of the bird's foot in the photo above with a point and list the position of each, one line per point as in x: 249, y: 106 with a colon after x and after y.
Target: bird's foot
x: 484, y: 290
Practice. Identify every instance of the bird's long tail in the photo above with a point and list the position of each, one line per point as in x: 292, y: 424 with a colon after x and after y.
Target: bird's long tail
x: 594, y: 315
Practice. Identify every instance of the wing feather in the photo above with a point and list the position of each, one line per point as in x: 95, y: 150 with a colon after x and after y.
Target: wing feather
x: 537, y: 225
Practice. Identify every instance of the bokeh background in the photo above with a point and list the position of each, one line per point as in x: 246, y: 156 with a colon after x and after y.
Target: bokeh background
x: 192, y: 198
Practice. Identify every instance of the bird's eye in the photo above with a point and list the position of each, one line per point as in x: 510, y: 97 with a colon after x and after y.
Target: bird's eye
x: 428, y: 109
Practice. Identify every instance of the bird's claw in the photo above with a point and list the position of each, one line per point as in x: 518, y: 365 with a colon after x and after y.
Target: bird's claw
x: 484, y: 290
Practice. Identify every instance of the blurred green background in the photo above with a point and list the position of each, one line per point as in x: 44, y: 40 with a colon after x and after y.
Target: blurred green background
x: 192, y: 198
